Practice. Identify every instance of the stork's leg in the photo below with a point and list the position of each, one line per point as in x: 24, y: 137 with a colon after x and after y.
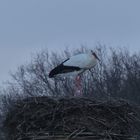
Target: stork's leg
x: 78, y: 91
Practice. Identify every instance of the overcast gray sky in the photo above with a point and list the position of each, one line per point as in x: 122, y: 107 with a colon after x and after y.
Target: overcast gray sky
x: 27, y: 26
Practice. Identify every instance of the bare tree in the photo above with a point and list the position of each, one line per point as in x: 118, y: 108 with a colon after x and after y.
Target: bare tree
x: 117, y: 75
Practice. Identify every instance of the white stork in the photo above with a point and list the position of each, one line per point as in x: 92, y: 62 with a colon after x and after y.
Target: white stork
x: 77, y: 63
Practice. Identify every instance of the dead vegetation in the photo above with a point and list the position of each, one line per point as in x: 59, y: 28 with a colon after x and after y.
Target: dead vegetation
x: 44, y: 118
x: 35, y: 118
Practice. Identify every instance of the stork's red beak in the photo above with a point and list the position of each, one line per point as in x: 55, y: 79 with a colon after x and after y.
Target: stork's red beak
x: 94, y: 54
x: 97, y: 57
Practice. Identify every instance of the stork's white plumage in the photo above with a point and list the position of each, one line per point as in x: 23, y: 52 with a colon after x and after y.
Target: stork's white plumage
x: 78, y: 63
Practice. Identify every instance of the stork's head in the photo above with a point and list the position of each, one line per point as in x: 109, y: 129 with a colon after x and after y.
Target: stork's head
x: 94, y: 54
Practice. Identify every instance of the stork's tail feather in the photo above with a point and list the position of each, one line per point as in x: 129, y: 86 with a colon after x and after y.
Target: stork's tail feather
x: 53, y: 72
x: 51, y: 75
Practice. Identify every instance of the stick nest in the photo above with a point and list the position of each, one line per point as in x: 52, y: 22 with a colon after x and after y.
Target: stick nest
x: 71, y: 116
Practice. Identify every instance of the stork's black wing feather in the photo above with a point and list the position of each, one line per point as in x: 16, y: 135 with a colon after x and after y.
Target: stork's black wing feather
x: 62, y: 69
